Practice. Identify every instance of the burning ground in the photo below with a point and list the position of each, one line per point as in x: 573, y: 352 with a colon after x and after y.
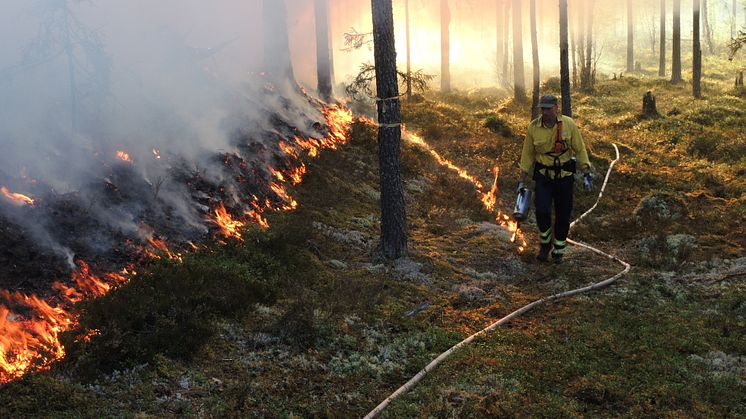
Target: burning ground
x: 301, y: 319
x: 61, y: 249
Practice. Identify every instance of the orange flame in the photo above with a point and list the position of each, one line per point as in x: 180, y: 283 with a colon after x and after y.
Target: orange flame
x: 16, y: 197
x: 443, y: 161
x: 488, y: 199
x: 282, y: 193
x: 124, y: 156
x: 288, y: 149
x: 31, y: 341
x: 161, y: 246
x: 228, y: 226
x: 338, y: 118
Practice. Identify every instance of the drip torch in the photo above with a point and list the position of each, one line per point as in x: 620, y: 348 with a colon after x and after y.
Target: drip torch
x: 522, y: 205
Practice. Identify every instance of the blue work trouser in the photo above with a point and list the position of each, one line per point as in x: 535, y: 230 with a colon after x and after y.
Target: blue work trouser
x: 560, y: 192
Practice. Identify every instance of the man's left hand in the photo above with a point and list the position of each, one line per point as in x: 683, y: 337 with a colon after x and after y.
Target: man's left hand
x: 588, y: 182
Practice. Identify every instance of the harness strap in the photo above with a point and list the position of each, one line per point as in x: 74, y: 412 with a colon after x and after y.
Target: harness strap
x: 559, y: 149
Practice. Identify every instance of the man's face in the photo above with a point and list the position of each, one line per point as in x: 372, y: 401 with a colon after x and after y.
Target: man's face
x: 549, y: 114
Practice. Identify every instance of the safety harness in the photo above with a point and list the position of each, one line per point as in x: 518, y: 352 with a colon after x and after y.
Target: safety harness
x: 560, y: 148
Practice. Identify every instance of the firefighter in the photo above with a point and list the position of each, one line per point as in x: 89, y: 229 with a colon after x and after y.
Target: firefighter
x: 552, y: 150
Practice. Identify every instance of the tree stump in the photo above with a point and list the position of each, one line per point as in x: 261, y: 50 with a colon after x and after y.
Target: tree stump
x: 739, y: 79
x: 649, y: 109
x: 638, y: 66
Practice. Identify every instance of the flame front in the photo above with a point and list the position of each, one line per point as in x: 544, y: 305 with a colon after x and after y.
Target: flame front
x: 443, y: 161
x: 228, y: 226
x: 488, y: 199
x: 16, y: 197
x: 30, y: 341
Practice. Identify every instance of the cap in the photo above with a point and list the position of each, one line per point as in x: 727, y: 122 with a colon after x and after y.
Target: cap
x: 548, y: 101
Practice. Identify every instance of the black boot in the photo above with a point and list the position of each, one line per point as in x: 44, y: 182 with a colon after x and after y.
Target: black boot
x: 543, y: 255
x: 557, y: 258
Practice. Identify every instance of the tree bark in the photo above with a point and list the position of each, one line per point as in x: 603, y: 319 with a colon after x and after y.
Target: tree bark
x: 733, y: 22
x: 696, y: 52
x: 662, y: 59
x: 586, y: 79
x: 498, y: 36
x: 581, y: 38
x: 445, y: 47
x: 676, y: 43
x: 564, y: 67
x: 393, y: 213
x: 630, y: 39
x: 706, y: 25
x: 535, y: 57
x: 519, y: 82
x: 506, y: 49
x: 323, y: 61
x: 276, y: 44
x: 573, y: 50
x: 409, y: 51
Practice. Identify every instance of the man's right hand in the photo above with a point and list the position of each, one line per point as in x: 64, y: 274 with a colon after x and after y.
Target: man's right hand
x: 520, y: 188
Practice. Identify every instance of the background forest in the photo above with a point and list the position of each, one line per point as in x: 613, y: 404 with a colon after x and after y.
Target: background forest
x: 197, y: 204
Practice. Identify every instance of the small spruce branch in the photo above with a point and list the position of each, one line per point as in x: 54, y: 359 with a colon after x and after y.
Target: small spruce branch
x: 362, y: 86
x: 736, y: 44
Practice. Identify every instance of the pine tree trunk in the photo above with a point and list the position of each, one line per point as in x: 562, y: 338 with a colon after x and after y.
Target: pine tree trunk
x: 733, y: 22
x: 662, y: 59
x: 696, y: 52
x: 708, y: 30
x: 519, y: 82
x: 535, y: 56
x: 580, y: 5
x: 630, y: 39
x: 574, y: 51
x: 409, y: 52
x: 445, y: 47
x: 587, y: 83
x: 393, y: 212
x: 564, y: 65
x: 323, y: 62
x: 676, y: 43
x: 506, y: 49
x: 498, y: 35
x: 276, y: 44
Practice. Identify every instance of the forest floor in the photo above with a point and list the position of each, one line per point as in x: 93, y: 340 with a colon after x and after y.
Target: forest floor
x: 302, y: 320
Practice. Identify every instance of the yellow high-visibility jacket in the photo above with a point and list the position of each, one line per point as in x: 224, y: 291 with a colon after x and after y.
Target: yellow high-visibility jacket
x: 540, y: 140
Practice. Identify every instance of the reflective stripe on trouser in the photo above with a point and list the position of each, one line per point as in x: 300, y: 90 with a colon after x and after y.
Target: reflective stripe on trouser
x: 559, y: 247
x: 546, y: 237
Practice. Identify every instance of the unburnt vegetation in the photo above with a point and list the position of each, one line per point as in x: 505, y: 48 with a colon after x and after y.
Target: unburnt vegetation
x: 303, y: 320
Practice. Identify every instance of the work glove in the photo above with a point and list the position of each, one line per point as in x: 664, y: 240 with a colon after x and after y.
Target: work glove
x: 588, y: 182
x: 520, y: 188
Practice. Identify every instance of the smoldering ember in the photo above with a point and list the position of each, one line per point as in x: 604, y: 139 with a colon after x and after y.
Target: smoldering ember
x: 326, y: 208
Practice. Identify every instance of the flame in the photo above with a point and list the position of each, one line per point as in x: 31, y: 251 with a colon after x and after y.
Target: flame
x: 257, y: 218
x: 338, y: 118
x: 156, y: 154
x: 228, y: 226
x: 161, y: 246
x: 124, y: 156
x: 413, y: 138
x: 488, y: 199
x: 288, y: 149
x: 16, y: 197
x: 31, y: 341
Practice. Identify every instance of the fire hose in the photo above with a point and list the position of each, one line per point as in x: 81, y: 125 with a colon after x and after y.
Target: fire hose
x: 599, y: 285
